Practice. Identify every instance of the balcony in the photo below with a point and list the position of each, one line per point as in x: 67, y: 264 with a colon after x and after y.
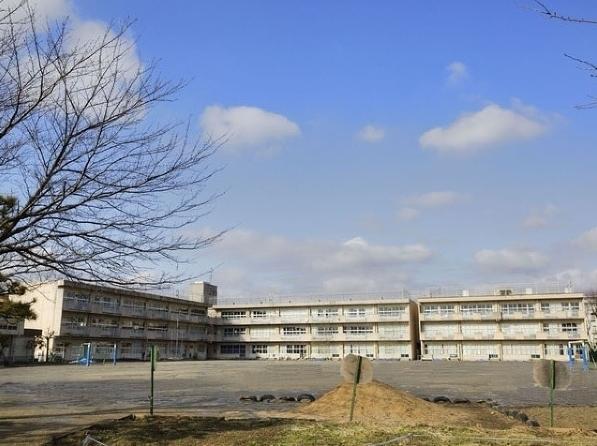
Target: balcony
x: 131, y: 332
x: 439, y: 336
x: 403, y: 336
x: 132, y: 311
x: 440, y: 316
x: 488, y: 316
x: 484, y: 335
x: 565, y: 335
x: 74, y: 330
x: 75, y: 305
x: 157, y: 314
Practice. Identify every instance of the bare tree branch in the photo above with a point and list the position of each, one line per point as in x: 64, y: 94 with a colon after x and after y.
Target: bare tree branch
x: 92, y: 186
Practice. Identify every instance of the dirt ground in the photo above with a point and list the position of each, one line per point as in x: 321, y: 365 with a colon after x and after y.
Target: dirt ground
x: 193, y: 431
x: 35, y: 401
x: 583, y: 417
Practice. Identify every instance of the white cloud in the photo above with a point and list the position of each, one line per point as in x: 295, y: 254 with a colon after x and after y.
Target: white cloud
x: 371, y: 134
x: 436, y: 199
x: 487, y: 127
x: 457, y: 72
x: 289, y: 266
x: 540, y: 218
x: 588, y: 240
x: 244, y: 127
x: 407, y: 214
x: 511, y: 260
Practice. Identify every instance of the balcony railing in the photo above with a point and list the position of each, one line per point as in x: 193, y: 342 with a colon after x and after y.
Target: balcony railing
x: 69, y: 304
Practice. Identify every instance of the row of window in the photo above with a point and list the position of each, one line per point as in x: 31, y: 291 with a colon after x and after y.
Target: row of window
x: 300, y: 330
x: 132, y: 304
x: 506, y: 308
x: 521, y: 328
x: 368, y: 350
x: 490, y: 351
x: 354, y: 312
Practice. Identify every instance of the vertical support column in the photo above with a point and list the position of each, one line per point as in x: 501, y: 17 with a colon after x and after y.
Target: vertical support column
x: 152, y: 365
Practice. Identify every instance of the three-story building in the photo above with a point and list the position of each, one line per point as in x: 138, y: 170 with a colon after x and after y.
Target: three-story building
x: 507, y: 325
x: 384, y: 329
x: 72, y: 314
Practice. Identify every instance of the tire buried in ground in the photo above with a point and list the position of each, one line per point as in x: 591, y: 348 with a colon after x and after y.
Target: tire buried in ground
x: 267, y: 398
x: 461, y: 401
x: 305, y: 397
x: 248, y: 398
x: 441, y: 399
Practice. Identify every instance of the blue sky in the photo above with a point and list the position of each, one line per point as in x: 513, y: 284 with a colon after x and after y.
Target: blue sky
x: 380, y: 145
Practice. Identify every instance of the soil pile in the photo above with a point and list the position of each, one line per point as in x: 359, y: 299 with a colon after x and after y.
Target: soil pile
x: 377, y: 402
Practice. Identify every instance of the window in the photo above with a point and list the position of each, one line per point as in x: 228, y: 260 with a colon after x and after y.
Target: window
x: 296, y: 349
x: 390, y: 311
x: 8, y: 325
x: 234, y: 331
x: 131, y: 325
x: 233, y: 314
x: 554, y: 350
x: 260, y: 349
x: 521, y: 349
x: 158, y: 308
x: 546, y: 307
x: 438, y: 309
x: 327, y: 350
x: 293, y: 331
x: 356, y: 312
x: 393, y: 330
x: 440, y: 349
x: 197, y: 312
x: 325, y: 330
x: 104, y: 323
x: 327, y: 312
x: 525, y: 308
x: 549, y: 328
x: 76, y: 297
x: 470, y: 309
x: 570, y: 327
x: 358, y: 329
x: 152, y: 326
x: 482, y: 350
x: 361, y: 349
x: 259, y: 313
x: 232, y: 349
x: 263, y: 332
x: 572, y: 307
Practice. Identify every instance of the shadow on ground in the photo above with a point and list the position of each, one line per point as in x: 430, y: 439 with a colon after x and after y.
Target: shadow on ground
x: 147, y: 430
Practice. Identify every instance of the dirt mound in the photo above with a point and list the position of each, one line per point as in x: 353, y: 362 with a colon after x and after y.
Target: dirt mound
x: 377, y: 402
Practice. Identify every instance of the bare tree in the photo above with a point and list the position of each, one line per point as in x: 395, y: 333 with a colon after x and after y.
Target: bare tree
x: 547, y: 11
x: 92, y: 186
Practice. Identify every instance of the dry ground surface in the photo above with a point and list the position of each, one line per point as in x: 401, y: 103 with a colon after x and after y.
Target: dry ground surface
x: 36, y: 401
x: 194, y: 431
